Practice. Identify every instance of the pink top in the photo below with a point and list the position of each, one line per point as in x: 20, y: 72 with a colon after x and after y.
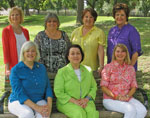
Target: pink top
x: 118, y: 78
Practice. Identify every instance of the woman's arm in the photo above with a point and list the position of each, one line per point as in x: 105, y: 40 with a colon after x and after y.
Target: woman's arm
x: 134, y: 58
x: 108, y: 92
x: 7, y: 73
x: 131, y: 92
x: 101, y: 58
x: 49, y: 103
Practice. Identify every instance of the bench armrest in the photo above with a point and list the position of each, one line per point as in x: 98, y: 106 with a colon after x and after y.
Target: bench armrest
x: 5, y: 95
x: 145, y: 97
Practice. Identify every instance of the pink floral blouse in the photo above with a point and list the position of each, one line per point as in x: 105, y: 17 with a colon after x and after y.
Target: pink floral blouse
x: 118, y: 78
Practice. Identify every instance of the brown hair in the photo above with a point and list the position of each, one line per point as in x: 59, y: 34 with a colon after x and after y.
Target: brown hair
x: 124, y: 48
x: 20, y: 12
x: 92, y: 11
x: 121, y: 6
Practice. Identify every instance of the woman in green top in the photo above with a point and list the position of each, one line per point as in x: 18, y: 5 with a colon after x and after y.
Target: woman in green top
x: 75, y: 87
x: 91, y: 39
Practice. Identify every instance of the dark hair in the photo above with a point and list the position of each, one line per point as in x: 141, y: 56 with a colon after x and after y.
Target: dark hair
x: 74, y: 46
x: 92, y: 11
x: 121, y: 6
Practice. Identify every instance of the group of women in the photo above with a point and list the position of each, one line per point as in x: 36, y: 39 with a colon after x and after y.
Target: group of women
x: 72, y: 61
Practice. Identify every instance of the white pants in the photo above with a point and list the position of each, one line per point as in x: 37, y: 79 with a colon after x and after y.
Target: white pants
x: 131, y: 109
x: 24, y: 111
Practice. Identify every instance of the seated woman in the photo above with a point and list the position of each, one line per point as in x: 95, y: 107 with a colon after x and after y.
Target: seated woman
x: 31, y: 95
x: 119, y: 84
x: 75, y: 87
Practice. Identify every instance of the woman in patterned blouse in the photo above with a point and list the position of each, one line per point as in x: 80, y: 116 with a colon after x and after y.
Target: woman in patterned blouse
x: 119, y: 84
x: 53, y: 44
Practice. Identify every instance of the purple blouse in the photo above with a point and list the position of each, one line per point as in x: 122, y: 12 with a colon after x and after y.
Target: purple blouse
x: 128, y: 36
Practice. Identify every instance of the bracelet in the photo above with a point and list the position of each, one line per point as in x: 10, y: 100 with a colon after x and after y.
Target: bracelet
x: 127, y: 96
x: 115, y: 97
x: 88, y: 97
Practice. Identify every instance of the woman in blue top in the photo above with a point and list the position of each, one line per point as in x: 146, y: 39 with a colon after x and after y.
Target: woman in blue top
x: 31, y: 95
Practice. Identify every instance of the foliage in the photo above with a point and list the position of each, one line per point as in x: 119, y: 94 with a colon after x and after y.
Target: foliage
x: 145, y: 6
x: 107, y: 8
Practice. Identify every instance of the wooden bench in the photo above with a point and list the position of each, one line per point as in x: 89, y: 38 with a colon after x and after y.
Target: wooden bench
x: 140, y: 95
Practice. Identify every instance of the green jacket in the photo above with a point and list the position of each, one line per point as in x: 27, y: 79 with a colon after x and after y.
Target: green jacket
x: 67, y: 85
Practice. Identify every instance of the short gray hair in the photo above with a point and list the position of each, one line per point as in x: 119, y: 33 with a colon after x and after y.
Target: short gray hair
x: 26, y: 46
x: 49, y: 16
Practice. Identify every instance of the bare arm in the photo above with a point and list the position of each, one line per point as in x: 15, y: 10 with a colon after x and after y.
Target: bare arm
x: 134, y: 58
x: 107, y: 91
x: 7, y: 73
x: 131, y: 92
x: 101, y: 57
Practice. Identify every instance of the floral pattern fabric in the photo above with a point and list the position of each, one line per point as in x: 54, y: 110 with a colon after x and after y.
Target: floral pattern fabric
x: 52, y: 52
x: 118, y: 78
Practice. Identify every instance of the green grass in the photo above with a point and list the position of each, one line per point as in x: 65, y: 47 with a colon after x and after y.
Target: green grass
x: 35, y: 23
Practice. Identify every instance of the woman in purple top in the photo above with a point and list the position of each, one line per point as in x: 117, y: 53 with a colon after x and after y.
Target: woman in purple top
x: 123, y: 33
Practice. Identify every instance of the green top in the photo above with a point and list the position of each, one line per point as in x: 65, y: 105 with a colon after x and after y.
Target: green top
x: 67, y: 85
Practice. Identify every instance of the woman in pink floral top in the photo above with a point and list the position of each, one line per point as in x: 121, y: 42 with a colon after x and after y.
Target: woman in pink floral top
x: 119, y: 84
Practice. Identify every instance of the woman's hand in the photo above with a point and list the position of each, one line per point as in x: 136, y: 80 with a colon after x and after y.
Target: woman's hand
x: 83, y: 102
x: 77, y: 102
x: 7, y: 73
x: 122, y: 97
x: 100, y: 70
x: 44, y: 110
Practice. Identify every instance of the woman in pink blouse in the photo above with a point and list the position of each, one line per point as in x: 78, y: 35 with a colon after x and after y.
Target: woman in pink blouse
x: 119, y: 84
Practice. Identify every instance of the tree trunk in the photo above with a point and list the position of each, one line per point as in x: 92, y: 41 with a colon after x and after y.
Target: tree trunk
x: 38, y: 11
x: 11, y: 3
x: 115, y: 2
x: 27, y: 10
x: 65, y: 11
x: 80, y: 7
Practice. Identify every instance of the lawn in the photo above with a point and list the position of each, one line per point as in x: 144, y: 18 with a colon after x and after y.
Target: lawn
x: 35, y: 23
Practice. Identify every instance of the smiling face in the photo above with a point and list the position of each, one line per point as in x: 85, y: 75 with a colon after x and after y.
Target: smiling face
x: 52, y: 23
x: 120, y: 55
x: 88, y: 19
x: 120, y: 18
x: 30, y: 54
x: 74, y: 56
x: 15, y: 17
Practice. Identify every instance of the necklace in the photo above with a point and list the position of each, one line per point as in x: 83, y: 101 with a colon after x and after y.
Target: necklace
x: 53, y: 34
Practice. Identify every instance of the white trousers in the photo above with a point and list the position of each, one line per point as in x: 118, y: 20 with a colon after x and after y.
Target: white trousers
x: 131, y: 109
x: 24, y: 111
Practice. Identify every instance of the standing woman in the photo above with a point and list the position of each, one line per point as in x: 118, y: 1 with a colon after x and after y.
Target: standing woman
x: 124, y: 33
x: 52, y: 44
x: 91, y: 39
x: 13, y: 37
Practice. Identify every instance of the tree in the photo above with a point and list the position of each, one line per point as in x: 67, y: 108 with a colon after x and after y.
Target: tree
x: 80, y: 7
x: 4, y: 4
x: 91, y: 3
x: 145, y: 7
x: 11, y: 3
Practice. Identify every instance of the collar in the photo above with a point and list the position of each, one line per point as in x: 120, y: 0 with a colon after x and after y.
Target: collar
x: 115, y: 63
x: 22, y: 65
x: 80, y: 29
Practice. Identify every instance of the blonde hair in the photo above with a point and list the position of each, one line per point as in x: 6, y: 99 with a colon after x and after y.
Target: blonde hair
x: 20, y: 12
x: 26, y: 46
x: 124, y: 49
